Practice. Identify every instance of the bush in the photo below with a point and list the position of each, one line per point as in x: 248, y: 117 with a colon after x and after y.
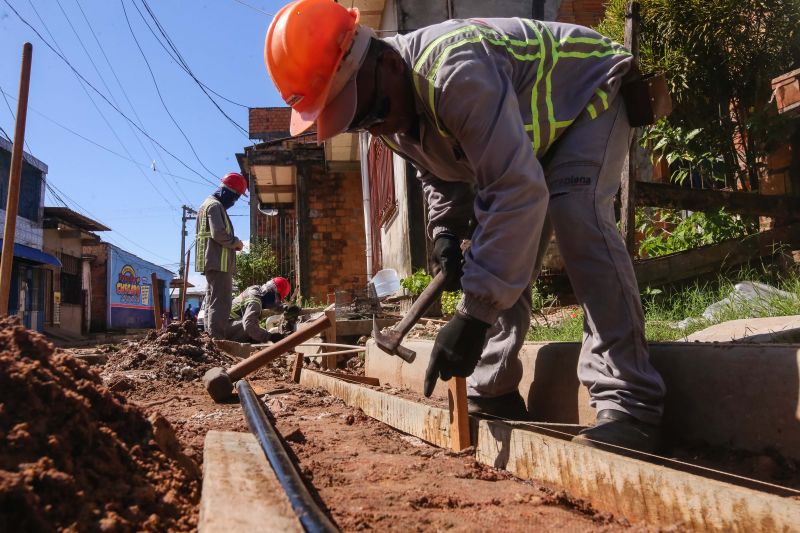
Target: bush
x: 255, y: 266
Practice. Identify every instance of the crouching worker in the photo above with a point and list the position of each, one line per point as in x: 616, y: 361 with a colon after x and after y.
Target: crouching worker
x: 246, y: 311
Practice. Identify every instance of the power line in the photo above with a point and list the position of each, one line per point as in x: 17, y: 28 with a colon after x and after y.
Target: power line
x: 65, y: 60
x: 94, y: 104
x: 103, y: 81
x: 109, y: 150
x: 158, y: 90
x: 254, y: 8
x: 183, y: 64
x: 121, y: 87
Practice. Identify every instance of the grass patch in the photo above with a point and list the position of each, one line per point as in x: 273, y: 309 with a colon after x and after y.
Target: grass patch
x: 665, y: 309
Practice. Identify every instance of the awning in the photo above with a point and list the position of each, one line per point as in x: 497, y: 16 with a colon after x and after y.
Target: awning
x: 34, y: 255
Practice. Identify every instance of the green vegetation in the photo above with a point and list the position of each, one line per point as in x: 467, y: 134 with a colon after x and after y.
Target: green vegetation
x: 416, y: 282
x: 255, y: 266
x: 664, y: 309
x: 719, y: 57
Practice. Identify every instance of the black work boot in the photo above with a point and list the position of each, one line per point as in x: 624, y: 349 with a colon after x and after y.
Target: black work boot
x: 510, y: 406
x: 621, y: 429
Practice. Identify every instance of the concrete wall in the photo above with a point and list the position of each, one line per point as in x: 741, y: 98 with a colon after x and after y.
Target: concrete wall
x: 70, y: 318
x: 736, y: 395
x: 99, y: 282
x: 336, y: 245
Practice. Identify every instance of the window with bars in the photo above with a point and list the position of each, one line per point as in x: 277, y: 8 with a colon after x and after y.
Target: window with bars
x: 71, y: 283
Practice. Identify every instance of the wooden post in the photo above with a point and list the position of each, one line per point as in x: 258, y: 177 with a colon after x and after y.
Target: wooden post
x: 297, y: 369
x: 156, y: 300
x: 12, y: 203
x: 183, y: 287
x: 329, y: 363
x: 459, y: 416
x: 630, y: 170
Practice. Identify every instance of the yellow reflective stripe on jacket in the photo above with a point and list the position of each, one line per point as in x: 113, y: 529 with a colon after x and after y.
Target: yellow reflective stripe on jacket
x: 237, y: 308
x: 544, y: 48
x: 203, y: 236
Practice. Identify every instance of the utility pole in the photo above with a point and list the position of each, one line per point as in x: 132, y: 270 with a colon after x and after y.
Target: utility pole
x: 188, y: 214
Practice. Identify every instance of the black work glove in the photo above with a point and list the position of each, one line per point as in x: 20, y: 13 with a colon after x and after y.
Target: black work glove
x: 291, y: 310
x: 456, y: 351
x: 275, y: 337
x: 448, y: 258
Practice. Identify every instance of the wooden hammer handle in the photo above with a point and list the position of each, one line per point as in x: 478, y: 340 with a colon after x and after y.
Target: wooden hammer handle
x: 423, y: 302
x: 262, y: 357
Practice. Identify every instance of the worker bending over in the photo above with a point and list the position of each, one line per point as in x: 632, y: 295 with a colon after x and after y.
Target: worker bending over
x: 507, y: 121
x: 246, y: 311
x: 216, y: 251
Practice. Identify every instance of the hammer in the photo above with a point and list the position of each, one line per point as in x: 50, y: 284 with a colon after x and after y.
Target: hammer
x: 390, y: 341
x: 219, y: 382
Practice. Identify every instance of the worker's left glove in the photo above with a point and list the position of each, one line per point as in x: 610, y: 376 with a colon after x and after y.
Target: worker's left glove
x: 449, y: 259
x: 456, y: 351
x: 275, y: 337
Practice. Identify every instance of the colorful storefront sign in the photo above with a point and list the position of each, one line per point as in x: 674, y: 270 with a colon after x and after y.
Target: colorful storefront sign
x: 130, y: 290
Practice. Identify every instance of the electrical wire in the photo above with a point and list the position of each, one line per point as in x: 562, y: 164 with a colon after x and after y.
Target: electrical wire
x: 162, y: 161
x: 158, y: 90
x: 254, y: 8
x: 109, y: 150
x: 66, y: 61
x: 184, y: 65
x: 97, y: 108
x: 172, y: 189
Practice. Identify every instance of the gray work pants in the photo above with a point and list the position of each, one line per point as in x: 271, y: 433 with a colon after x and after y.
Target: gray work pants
x: 583, y: 176
x: 219, y: 294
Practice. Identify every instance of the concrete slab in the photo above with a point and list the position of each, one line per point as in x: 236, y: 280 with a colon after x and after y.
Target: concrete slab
x: 738, y: 395
x: 785, y: 329
x: 240, y: 491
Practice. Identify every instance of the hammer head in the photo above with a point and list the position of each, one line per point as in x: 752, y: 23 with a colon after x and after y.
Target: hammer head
x: 389, y: 342
x: 218, y: 384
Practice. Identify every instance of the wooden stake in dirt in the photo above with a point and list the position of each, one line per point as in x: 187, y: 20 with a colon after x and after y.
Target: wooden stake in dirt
x: 329, y: 362
x: 630, y: 170
x: 459, y: 416
x: 298, y: 367
x: 12, y: 203
x: 156, y: 301
x: 183, y: 287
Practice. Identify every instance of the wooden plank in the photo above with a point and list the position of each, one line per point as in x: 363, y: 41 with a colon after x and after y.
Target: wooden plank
x: 712, y: 258
x: 329, y: 335
x: 156, y: 300
x: 459, y: 416
x: 364, y: 380
x: 742, y: 203
x: 431, y: 424
x: 634, y: 489
x: 240, y: 490
x: 630, y: 170
x: 298, y: 367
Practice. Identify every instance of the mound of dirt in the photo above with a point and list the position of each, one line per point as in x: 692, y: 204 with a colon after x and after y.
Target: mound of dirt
x: 180, y: 352
x: 75, y: 455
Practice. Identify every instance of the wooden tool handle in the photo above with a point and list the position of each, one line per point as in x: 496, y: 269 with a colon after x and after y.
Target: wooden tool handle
x: 262, y: 357
x: 425, y: 300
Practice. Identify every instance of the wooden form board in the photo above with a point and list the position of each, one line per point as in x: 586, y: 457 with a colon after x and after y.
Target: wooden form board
x: 637, y: 490
x: 431, y: 424
x: 623, y: 486
x: 240, y: 490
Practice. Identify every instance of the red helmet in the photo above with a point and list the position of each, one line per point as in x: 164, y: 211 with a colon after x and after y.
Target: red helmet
x: 235, y: 182
x: 283, y: 286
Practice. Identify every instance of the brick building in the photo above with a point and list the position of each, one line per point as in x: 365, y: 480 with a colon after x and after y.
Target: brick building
x: 307, y: 204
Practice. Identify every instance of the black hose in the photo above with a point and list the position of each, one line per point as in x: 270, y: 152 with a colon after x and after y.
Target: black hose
x: 310, y: 515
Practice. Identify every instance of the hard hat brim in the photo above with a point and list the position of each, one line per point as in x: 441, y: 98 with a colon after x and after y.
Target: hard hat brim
x: 339, y: 113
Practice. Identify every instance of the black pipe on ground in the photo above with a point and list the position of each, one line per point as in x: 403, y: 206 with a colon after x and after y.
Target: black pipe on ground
x: 310, y: 515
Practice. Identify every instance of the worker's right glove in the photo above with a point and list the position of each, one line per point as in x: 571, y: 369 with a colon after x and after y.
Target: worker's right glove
x: 275, y: 337
x: 449, y: 259
x: 456, y: 351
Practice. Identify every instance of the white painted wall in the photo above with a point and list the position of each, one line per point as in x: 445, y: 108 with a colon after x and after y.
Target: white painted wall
x: 395, y: 248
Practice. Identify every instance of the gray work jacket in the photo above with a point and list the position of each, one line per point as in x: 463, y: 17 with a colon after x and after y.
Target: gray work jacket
x: 492, y: 96
x: 216, y: 243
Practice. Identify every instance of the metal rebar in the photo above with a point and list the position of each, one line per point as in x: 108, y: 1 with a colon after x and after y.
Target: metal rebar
x: 308, y: 512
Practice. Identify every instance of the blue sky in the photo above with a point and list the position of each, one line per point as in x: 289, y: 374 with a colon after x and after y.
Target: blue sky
x: 222, y: 43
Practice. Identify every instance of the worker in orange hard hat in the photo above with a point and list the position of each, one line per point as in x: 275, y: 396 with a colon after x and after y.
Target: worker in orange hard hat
x: 516, y: 124
x: 215, y: 256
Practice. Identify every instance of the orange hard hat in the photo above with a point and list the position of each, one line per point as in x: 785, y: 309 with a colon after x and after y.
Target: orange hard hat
x: 303, y: 51
x: 235, y: 182
x: 283, y: 286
